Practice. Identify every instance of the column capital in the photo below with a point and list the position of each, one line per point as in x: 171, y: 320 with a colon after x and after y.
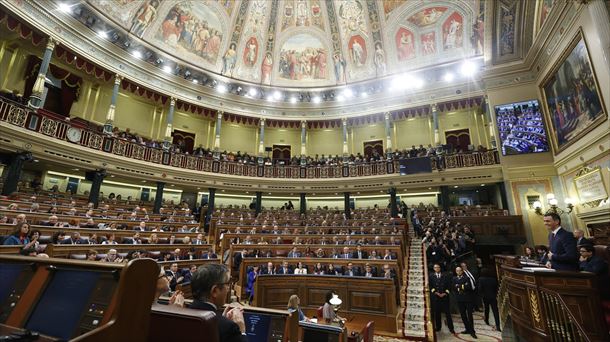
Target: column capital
x: 344, y: 121
x: 433, y: 107
x: 117, y: 79
x: 387, y: 115
x: 219, y: 114
x: 51, y: 43
x: 262, y: 121
x: 172, y: 101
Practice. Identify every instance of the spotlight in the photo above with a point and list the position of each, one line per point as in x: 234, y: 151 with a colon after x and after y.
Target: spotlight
x: 417, y: 83
x: 468, y: 69
x: 270, y: 98
x: 348, y: 93
x: 293, y: 100
x: 102, y: 34
x: 364, y: 94
x: 167, y: 69
x: 277, y: 95
x: 340, y: 98
x: 65, y: 7
x: 448, y: 77
x: 316, y: 99
x: 195, y: 81
x: 221, y: 88
x: 136, y: 54
x: 252, y: 92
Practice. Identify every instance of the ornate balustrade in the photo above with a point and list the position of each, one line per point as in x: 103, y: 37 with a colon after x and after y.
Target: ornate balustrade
x: 52, y: 125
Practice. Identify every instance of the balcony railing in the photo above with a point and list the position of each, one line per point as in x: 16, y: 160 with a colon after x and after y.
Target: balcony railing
x: 52, y: 125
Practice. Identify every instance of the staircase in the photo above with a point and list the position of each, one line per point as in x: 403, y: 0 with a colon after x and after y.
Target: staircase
x: 413, y: 297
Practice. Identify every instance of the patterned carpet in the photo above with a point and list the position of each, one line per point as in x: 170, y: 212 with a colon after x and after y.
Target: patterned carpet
x: 485, y: 333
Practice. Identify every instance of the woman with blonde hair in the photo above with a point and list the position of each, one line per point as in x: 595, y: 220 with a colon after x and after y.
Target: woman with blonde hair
x: 293, y: 306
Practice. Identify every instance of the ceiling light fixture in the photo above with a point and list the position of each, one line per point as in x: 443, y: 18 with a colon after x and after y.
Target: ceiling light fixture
x: 221, y: 88
x: 195, y: 81
x: 167, y: 69
x: 293, y: 100
x: 252, y: 92
x: 102, y: 34
x: 136, y: 54
x: 448, y: 77
x: 277, y: 95
x: 364, y: 94
x: 316, y: 99
x: 340, y: 98
x: 468, y: 69
x: 348, y: 93
x: 64, y: 7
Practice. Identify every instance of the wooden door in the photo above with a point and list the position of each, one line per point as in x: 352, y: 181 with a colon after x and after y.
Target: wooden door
x: 281, y: 152
x: 459, y: 139
x: 184, y: 139
x: 371, y: 146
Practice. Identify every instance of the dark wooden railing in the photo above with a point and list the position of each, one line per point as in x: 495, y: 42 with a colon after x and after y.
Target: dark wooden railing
x: 55, y: 126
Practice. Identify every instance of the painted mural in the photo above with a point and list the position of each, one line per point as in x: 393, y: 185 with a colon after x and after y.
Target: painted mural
x: 478, y: 32
x: 405, y: 44
x: 428, y: 43
x: 251, y: 52
x: 453, y: 32
x: 145, y: 15
x: 390, y: 5
x: 357, y: 51
x: 122, y: 11
x: 428, y: 16
x: 351, y: 17
x: 545, y: 8
x: 380, y: 60
x: 507, y: 30
x: 299, y: 13
x: 227, y: 5
x: 192, y: 28
x: 303, y: 57
x: 572, y: 96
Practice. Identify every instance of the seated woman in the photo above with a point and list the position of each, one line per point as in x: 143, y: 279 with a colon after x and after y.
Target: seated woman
x: 529, y: 253
x: 293, y: 306
x: 300, y: 269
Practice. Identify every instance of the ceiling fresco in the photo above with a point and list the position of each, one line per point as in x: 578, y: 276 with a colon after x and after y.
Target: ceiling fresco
x: 303, y: 43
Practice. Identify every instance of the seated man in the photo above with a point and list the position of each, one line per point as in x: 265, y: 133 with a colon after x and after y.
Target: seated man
x: 74, y: 239
x: 210, y: 285
x: 589, y: 262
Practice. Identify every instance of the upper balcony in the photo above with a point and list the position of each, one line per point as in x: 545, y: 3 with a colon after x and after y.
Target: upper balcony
x: 50, y: 135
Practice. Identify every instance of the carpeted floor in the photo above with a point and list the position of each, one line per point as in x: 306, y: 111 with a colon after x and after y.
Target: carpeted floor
x: 485, y: 333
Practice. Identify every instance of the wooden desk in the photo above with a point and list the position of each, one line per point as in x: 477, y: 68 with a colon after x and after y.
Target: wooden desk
x: 6, y: 330
x: 372, y: 299
x: 550, y: 305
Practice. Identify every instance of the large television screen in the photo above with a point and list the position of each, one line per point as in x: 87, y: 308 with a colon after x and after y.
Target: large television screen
x: 410, y: 166
x: 521, y: 128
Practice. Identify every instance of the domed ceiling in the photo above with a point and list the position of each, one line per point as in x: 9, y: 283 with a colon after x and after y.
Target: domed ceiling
x: 304, y: 43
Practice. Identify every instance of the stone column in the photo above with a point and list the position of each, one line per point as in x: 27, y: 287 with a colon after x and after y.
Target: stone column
x: 36, y: 97
x: 169, y: 124
x: 348, y: 212
x: 601, y: 20
x: 158, y: 197
x: 437, y: 138
x: 96, y: 184
x: 13, y: 172
x: 110, y: 114
x: 217, y: 134
x: 393, y: 207
x: 303, y: 139
x: 388, y: 133
x: 488, y: 118
x: 261, y: 141
x: 303, y: 203
x: 445, y: 198
x: 258, y: 205
x: 345, y: 149
x: 208, y: 214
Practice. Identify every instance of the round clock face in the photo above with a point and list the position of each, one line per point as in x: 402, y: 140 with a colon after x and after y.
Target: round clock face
x: 73, y: 134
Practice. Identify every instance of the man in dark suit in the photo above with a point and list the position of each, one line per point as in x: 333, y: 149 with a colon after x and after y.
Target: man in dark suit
x: 463, y: 291
x: 579, y: 235
x: 269, y: 269
x: 174, y: 276
x: 74, y: 239
x: 488, y: 289
x: 351, y: 271
x: 210, y: 285
x: 188, y: 275
x: 440, y: 285
x: 562, y: 244
x: 359, y: 253
x: 285, y: 269
x: 589, y: 262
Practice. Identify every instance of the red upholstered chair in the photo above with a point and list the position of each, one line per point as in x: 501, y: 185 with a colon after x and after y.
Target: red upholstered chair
x: 368, y: 332
x: 173, y: 323
x: 320, y: 312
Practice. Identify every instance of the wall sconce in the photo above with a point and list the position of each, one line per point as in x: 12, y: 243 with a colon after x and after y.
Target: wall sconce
x: 553, y: 206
